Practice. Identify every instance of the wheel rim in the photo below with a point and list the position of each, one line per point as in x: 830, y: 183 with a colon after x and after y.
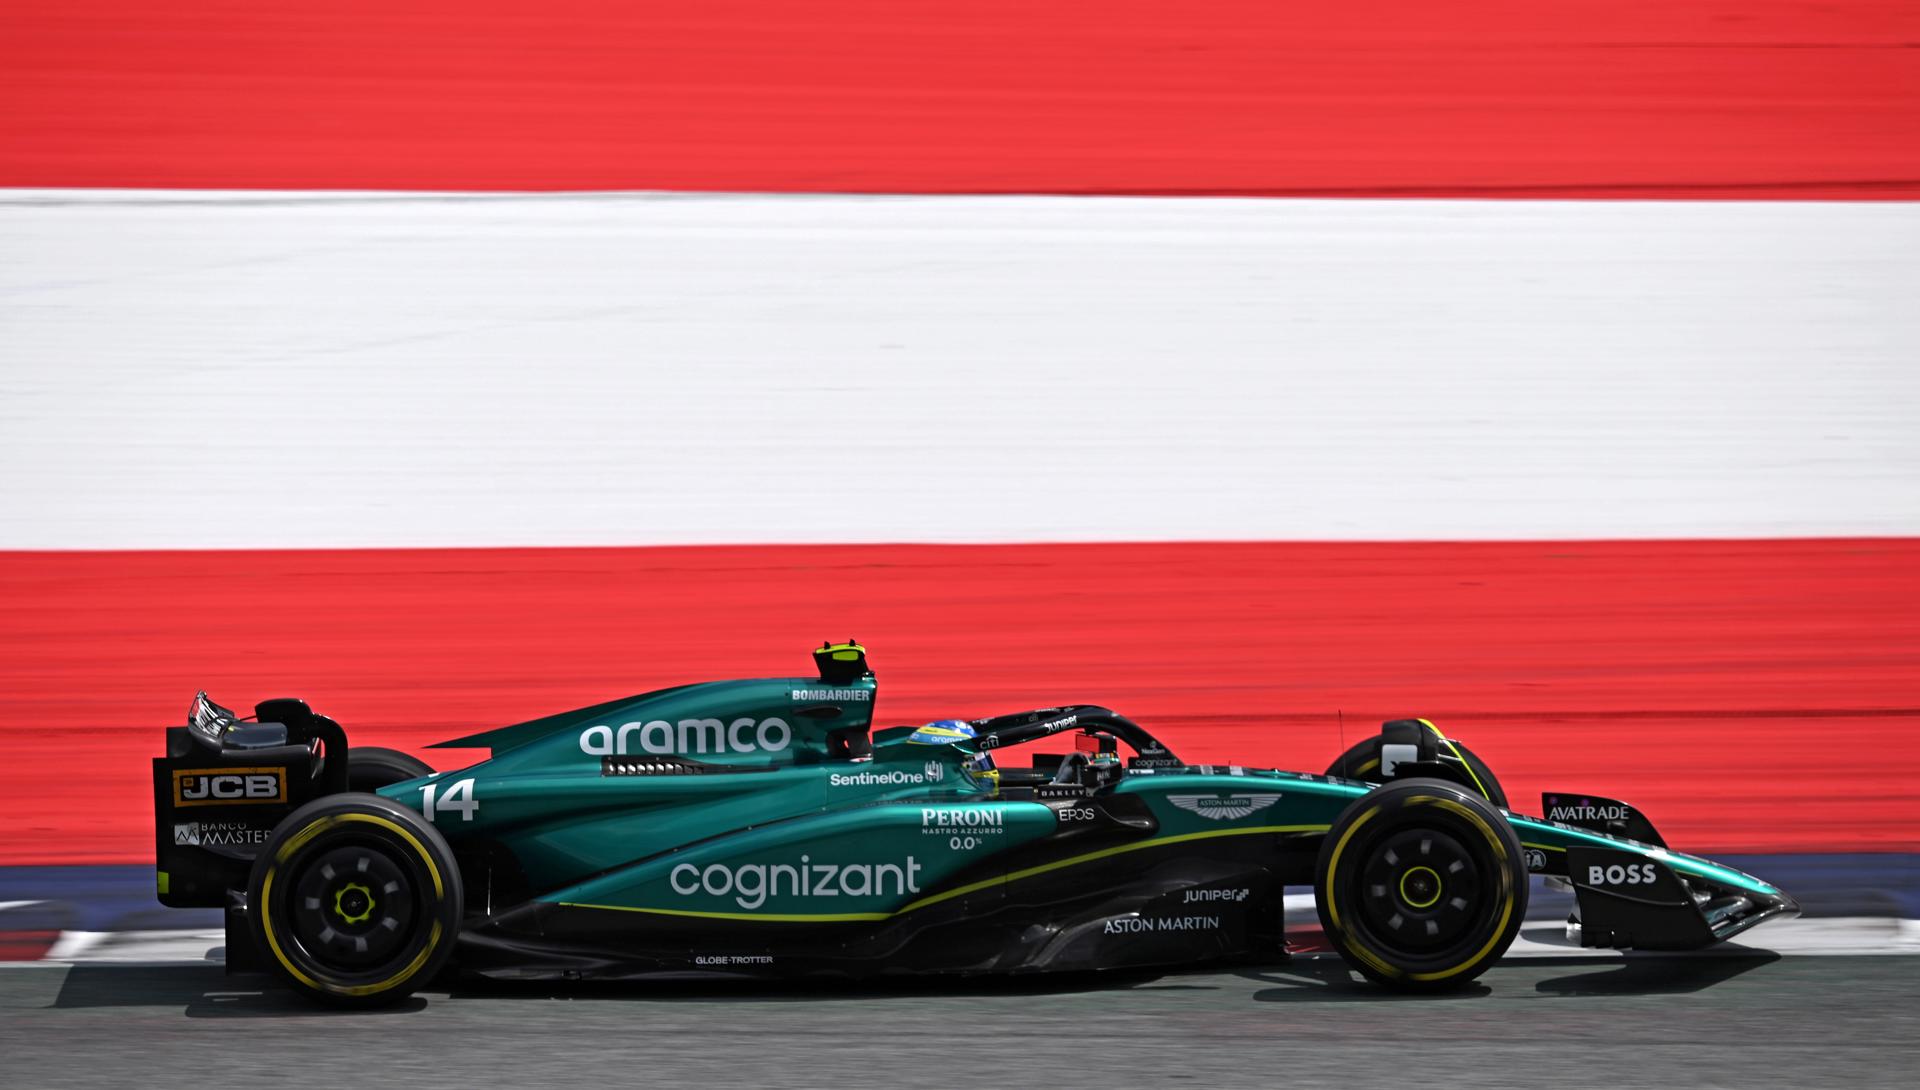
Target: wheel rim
x: 1426, y: 894
x: 353, y: 909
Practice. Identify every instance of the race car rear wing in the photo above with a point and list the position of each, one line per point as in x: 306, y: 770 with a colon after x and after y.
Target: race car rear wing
x: 223, y: 785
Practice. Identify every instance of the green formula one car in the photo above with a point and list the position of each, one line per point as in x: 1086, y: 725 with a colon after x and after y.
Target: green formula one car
x: 761, y: 828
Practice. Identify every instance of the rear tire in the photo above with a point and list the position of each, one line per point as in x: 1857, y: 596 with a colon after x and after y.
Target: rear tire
x: 355, y: 900
x: 369, y: 768
x: 1421, y: 885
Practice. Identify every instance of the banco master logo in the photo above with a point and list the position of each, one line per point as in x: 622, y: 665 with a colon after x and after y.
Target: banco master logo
x: 219, y: 834
x: 689, y: 736
x: 1223, y: 807
x: 750, y: 884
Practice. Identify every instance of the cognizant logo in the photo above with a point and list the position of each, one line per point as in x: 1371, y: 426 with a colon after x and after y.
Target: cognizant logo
x: 750, y: 884
x: 743, y: 735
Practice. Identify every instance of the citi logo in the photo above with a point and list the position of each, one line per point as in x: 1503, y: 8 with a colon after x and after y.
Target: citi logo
x: 661, y: 738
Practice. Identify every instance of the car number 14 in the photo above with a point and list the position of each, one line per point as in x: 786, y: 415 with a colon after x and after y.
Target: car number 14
x: 459, y: 799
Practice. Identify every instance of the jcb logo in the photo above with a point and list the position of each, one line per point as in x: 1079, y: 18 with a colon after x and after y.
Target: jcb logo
x: 228, y: 786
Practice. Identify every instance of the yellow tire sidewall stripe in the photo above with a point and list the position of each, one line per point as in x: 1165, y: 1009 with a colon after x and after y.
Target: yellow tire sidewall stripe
x: 1360, y: 950
x: 293, y: 844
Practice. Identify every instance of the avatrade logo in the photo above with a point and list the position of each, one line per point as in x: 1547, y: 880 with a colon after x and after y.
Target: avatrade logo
x: 1589, y: 812
x: 750, y: 884
x: 1223, y: 807
x: 661, y: 738
x: 931, y: 772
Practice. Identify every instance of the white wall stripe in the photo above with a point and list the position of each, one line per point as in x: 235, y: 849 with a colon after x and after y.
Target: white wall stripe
x: 182, y: 370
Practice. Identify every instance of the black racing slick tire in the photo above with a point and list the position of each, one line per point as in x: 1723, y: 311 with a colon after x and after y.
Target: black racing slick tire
x: 369, y: 768
x: 355, y: 900
x: 1464, y: 766
x: 1421, y: 885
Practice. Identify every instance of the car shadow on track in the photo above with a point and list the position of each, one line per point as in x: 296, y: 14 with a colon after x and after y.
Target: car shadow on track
x: 1326, y: 979
x: 1329, y: 980
x: 809, y: 991
x: 1648, y: 974
x: 207, y: 992
x: 201, y: 991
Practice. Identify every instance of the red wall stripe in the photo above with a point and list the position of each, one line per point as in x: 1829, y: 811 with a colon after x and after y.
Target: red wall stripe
x: 1724, y: 98
x: 1752, y: 696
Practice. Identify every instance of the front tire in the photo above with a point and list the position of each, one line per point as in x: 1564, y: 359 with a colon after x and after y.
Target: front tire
x: 1421, y: 885
x: 355, y: 900
x: 1460, y: 764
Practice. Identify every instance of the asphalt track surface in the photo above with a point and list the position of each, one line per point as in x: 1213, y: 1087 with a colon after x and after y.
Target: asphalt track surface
x: 1741, y: 1020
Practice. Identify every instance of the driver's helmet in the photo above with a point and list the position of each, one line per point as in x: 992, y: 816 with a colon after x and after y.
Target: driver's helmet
x: 982, y: 769
x: 942, y: 732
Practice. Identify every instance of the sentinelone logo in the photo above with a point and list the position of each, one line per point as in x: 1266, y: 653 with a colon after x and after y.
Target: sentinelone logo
x: 931, y: 772
x: 659, y: 737
x: 751, y: 884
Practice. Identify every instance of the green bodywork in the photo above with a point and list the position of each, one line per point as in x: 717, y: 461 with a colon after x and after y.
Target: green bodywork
x: 774, y: 827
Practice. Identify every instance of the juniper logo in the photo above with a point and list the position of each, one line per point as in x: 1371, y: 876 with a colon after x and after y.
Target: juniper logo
x: 689, y: 736
x: 750, y: 884
x: 1224, y: 807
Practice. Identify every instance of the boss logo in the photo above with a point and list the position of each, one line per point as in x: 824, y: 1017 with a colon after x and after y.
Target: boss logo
x: 228, y: 786
x: 1630, y: 874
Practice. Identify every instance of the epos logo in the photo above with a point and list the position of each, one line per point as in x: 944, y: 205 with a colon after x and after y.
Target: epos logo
x: 228, y: 786
x: 1631, y: 874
